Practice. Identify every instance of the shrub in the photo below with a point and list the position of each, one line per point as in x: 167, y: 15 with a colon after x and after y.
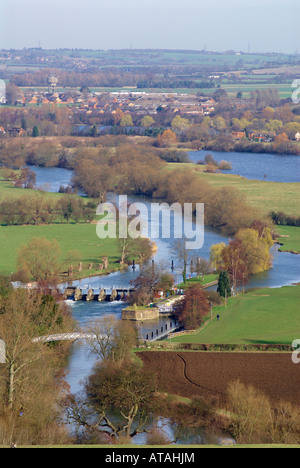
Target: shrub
x: 209, y: 160
x: 255, y: 420
x: 211, y: 169
x: 252, y: 414
x: 225, y: 166
x: 157, y: 437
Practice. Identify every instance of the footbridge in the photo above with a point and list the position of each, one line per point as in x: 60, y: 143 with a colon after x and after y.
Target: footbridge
x: 156, y: 333
x: 66, y: 337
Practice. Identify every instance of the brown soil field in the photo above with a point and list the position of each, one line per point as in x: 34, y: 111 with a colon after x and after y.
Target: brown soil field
x: 206, y: 374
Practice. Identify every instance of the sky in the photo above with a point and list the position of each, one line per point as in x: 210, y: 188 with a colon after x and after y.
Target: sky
x: 217, y: 25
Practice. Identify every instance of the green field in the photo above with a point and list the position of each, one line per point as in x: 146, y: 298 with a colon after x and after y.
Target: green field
x: 81, y: 237
x: 291, y: 240
x: 197, y: 281
x: 71, y: 237
x: 263, y: 195
x: 266, y: 196
x: 284, y: 90
x: 263, y: 316
x: 7, y: 190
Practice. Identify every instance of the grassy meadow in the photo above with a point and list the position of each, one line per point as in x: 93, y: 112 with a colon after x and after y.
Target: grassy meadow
x: 263, y: 316
x: 9, y: 191
x: 263, y: 195
x: 71, y: 237
x: 284, y: 90
x: 290, y: 240
x: 197, y: 281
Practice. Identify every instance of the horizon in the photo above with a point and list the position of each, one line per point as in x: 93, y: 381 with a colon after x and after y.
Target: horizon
x: 203, y: 51
x: 255, y: 26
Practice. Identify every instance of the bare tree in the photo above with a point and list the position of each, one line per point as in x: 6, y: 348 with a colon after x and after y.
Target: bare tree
x: 24, y: 316
x: 201, y: 266
x: 40, y: 258
x: 183, y: 256
x: 126, y: 387
x: 111, y: 339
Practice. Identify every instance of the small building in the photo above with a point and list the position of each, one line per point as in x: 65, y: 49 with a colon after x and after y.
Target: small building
x: 2, y: 352
x: 17, y: 131
x: 297, y: 136
x: 239, y: 135
x: 140, y: 314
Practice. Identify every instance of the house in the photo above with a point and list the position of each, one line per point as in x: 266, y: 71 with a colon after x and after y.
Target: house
x: 66, y: 99
x: 33, y: 100
x: 297, y: 136
x: 21, y: 100
x: 239, y: 135
x: 55, y: 99
x: 262, y: 137
x: 17, y: 131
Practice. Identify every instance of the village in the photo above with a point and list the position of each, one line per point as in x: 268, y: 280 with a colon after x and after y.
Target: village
x: 91, y: 111
x: 128, y: 101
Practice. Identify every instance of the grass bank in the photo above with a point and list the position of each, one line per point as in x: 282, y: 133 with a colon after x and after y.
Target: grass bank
x: 71, y: 237
x: 263, y: 195
x: 263, y: 316
x: 290, y: 238
x: 9, y: 191
x: 198, y: 281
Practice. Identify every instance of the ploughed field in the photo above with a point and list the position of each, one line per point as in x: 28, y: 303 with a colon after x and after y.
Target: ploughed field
x: 208, y: 374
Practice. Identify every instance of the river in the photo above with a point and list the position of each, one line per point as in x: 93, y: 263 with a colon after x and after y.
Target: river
x: 285, y: 270
x: 256, y: 166
x: 286, y: 266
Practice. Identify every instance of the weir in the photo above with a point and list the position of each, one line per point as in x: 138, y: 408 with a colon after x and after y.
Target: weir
x: 100, y: 294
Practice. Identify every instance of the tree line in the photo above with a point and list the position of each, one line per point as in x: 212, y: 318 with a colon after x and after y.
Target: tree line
x: 282, y: 219
x: 73, y: 79
x: 129, y: 169
x: 37, y: 209
x: 174, y: 83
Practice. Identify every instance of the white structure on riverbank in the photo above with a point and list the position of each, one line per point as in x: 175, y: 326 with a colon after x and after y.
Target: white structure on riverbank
x: 2, y: 352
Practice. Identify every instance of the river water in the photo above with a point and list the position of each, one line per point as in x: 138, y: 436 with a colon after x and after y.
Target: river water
x: 256, y: 166
x: 285, y: 270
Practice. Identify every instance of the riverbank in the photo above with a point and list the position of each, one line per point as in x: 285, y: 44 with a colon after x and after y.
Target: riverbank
x: 8, y: 190
x: 205, y: 282
x: 289, y: 239
x: 263, y: 195
x: 80, y: 238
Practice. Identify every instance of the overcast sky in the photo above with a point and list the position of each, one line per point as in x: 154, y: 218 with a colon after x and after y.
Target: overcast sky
x: 264, y: 25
